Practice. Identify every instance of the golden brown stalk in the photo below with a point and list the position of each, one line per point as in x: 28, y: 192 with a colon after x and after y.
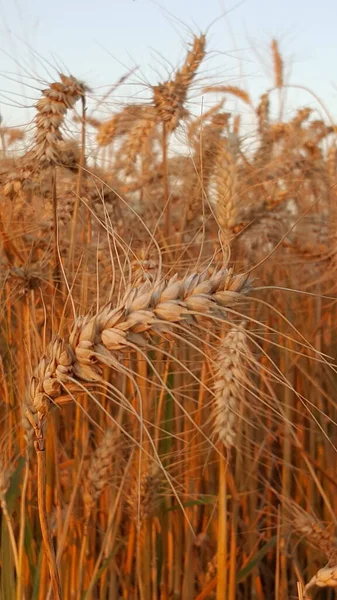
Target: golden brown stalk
x: 43, y: 517
x: 6, y: 473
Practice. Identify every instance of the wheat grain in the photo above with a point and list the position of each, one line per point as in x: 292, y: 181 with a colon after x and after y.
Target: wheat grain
x: 51, y: 109
x: 229, y: 385
x: 152, y: 308
x: 99, y: 469
x: 169, y: 97
x: 278, y: 64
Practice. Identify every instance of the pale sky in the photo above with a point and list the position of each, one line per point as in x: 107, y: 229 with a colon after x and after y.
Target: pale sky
x: 100, y: 40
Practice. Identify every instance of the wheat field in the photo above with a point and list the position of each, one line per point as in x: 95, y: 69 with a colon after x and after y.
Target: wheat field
x: 167, y: 345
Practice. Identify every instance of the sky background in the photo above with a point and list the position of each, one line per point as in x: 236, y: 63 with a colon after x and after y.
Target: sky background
x: 101, y: 40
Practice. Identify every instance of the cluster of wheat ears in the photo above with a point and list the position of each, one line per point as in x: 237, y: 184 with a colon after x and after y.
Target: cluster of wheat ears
x: 167, y: 344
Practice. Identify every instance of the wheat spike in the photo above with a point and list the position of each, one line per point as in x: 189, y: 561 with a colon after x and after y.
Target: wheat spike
x: 51, y: 109
x: 226, y: 186
x: 139, y: 135
x: 228, y: 384
x: 169, y: 97
x: 143, y: 494
x: 313, y: 531
x: 152, y: 308
x: 278, y: 64
x: 120, y: 123
x: 206, y: 144
x: 99, y: 469
x: 262, y: 112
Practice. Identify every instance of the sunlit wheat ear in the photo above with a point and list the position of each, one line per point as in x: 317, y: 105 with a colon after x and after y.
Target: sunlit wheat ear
x: 169, y: 97
x: 230, y: 381
x: 226, y: 186
x: 99, y: 470
x: 98, y: 340
x: 120, y: 124
x: 51, y: 109
x: 262, y: 112
x: 278, y: 64
x: 205, y: 140
x: 139, y: 135
x: 312, y: 531
x: 143, y: 493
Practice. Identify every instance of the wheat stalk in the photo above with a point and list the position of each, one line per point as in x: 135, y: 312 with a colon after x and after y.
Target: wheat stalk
x: 6, y: 472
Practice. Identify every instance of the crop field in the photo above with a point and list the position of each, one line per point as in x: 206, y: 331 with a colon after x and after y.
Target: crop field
x: 168, y: 382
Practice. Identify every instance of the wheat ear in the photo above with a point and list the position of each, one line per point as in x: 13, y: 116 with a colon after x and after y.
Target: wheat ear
x: 99, y: 468
x: 51, y: 109
x: 169, y: 97
x: 228, y: 385
x: 149, y: 309
x: 278, y: 64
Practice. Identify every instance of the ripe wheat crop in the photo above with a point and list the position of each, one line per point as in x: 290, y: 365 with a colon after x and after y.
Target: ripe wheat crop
x: 167, y: 345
